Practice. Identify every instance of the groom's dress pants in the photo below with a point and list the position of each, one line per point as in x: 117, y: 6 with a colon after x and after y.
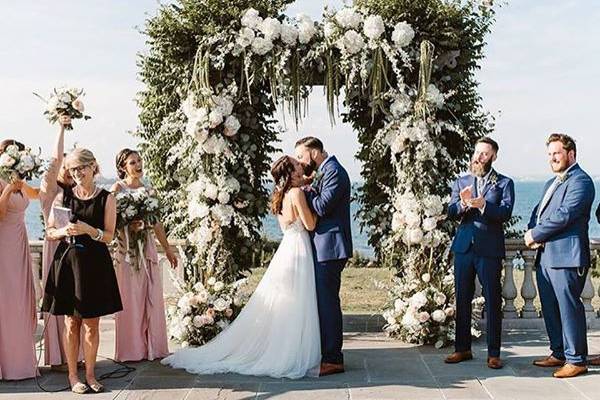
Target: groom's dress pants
x: 328, y: 277
x: 564, y: 314
x: 488, y: 270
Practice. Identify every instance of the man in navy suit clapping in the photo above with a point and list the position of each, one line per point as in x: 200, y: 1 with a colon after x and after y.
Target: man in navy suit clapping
x: 482, y: 201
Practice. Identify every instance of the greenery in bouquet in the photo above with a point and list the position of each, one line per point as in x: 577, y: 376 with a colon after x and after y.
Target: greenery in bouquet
x: 65, y: 100
x: 19, y: 164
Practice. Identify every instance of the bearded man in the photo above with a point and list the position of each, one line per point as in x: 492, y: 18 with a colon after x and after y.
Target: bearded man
x: 482, y: 201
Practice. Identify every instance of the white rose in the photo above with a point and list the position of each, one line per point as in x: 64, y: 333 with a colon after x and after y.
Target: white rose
x: 353, y: 42
x: 403, y: 34
x: 397, y: 222
x: 223, y: 197
x: 223, y: 104
x: 398, y: 144
x: 215, y: 118
x: 434, y: 96
x: 6, y: 160
x: 348, y: 18
x: 439, y: 298
x: 449, y: 311
x: 232, y: 126
x: 211, y: 191
x: 401, y: 105
x: 415, y: 236
x: 212, y: 280
x: 413, y: 220
x: 399, y: 304
x: 418, y: 300
x: 438, y: 316
x: 245, y: 37
x: 198, y: 321
x: 262, y: 46
x: 423, y: 316
x: 78, y: 105
x: 221, y: 304
x: 429, y: 224
x: 197, y: 210
x: 198, y: 286
x: 409, y: 320
x: 202, y: 296
x: 271, y: 28
x: 219, y: 286
x: 329, y: 30
x: 289, y: 34
x: 373, y: 27
x: 251, y: 19
x: 426, y: 277
x: 12, y: 150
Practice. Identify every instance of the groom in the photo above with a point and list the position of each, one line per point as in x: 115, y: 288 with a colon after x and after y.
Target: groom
x: 558, y: 229
x: 329, y: 198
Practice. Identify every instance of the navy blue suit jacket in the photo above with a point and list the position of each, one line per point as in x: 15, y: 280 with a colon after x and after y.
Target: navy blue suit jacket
x: 483, y: 232
x: 332, y: 236
x: 563, y: 223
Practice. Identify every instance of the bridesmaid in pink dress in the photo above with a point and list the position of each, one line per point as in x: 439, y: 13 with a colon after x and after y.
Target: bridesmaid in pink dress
x: 141, y: 332
x: 55, y: 178
x: 17, y: 294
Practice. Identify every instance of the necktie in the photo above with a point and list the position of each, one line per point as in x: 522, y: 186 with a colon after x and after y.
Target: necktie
x: 480, y: 186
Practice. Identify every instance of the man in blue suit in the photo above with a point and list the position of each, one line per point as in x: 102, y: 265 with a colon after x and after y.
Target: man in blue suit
x: 482, y: 201
x: 558, y: 229
x: 329, y: 198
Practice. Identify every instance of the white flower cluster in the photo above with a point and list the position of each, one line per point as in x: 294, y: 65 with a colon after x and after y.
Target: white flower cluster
x: 22, y: 164
x: 260, y: 35
x: 203, y: 311
x: 415, y: 220
x: 65, y: 101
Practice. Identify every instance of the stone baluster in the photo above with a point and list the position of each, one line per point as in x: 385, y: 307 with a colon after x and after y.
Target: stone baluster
x: 36, y: 267
x: 587, y: 295
x: 528, y: 290
x: 509, y: 290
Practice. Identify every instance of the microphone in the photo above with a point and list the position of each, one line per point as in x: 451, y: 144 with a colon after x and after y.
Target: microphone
x: 73, y: 220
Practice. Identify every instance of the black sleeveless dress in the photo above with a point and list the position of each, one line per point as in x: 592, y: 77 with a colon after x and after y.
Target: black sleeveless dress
x: 81, y: 281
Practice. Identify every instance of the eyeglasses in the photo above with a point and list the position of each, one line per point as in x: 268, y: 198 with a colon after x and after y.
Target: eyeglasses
x: 79, y: 168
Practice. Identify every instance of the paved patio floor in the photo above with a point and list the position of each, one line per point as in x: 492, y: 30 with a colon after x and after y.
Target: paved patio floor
x: 377, y: 368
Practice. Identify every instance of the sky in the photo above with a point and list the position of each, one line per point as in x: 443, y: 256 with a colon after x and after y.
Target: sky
x: 540, y: 76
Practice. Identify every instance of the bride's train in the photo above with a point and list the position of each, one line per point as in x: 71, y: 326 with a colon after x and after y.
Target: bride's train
x: 277, y: 332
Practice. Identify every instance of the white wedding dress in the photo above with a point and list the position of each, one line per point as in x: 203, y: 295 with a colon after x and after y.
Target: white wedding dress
x: 277, y: 332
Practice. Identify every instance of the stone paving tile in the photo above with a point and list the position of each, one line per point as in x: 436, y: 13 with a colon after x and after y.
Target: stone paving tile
x: 398, y: 370
x: 221, y: 391
x: 303, y: 391
x: 416, y: 390
x: 476, y: 367
x: 527, y: 388
x: 163, y: 394
x: 455, y: 388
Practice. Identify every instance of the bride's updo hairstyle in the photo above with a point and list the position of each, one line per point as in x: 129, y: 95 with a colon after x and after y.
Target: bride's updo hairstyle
x: 120, y: 161
x: 80, y: 156
x: 282, y: 171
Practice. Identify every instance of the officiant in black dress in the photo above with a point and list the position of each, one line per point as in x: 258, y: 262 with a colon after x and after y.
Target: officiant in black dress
x: 81, y: 283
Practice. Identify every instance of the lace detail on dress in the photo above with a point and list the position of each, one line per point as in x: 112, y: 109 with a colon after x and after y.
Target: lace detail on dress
x: 295, y: 226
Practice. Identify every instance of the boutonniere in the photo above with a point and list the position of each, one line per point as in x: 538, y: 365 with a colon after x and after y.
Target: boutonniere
x: 316, y: 179
x: 562, y: 178
x: 493, y: 178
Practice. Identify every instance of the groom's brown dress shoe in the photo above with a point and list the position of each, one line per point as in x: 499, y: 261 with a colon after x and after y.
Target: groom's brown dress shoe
x: 570, y: 371
x: 330, y: 369
x: 459, y: 356
x: 494, y: 362
x: 549, y: 361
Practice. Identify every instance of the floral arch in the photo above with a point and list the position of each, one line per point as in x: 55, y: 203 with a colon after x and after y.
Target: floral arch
x: 214, y: 79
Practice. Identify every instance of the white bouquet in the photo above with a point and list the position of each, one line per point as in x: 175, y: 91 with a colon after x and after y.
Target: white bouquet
x: 19, y: 164
x: 63, y: 101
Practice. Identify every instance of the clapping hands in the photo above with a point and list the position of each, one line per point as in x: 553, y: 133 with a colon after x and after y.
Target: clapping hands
x: 467, y: 199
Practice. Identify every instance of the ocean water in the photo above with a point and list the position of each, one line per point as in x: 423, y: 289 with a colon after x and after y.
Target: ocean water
x: 527, y: 195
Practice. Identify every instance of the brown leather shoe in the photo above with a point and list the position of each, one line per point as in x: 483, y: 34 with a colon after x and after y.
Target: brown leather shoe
x: 494, y: 363
x: 594, y: 361
x: 549, y: 361
x: 570, y: 371
x: 459, y: 356
x: 330, y: 369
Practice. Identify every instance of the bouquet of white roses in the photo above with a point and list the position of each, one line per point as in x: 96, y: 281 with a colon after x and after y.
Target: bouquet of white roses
x: 204, y: 311
x: 65, y: 101
x: 140, y: 205
x: 19, y: 164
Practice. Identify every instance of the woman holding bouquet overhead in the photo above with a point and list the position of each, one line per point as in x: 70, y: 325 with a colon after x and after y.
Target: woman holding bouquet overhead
x: 81, y: 284
x: 17, y: 294
x: 141, y: 332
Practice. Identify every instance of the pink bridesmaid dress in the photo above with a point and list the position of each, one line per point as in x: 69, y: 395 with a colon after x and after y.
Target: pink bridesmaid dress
x: 54, y: 353
x: 17, y: 294
x: 141, y: 328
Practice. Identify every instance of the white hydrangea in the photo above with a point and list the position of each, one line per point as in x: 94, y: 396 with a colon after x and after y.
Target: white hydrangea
x: 348, y: 17
x: 415, y: 236
x: 397, y: 221
x: 409, y: 321
x: 271, y: 28
x: 352, y: 42
x: 429, y: 224
x: 398, y: 143
x: 329, y: 30
x: 306, y: 29
x: 224, y: 104
x: 245, y: 37
x: 289, y: 34
x: 434, y: 96
x: 403, y: 34
x: 417, y: 300
x: 251, y: 19
x: 401, y: 105
x: 197, y: 210
x: 223, y: 197
x: 261, y: 46
x: 232, y: 126
x: 211, y: 191
x: 433, y: 205
x: 373, y: 27
x: 223, y: 213
x: 412, y: 219
x: 215, y: 118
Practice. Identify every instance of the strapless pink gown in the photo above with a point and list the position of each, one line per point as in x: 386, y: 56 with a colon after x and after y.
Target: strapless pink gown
x: 17, y: 294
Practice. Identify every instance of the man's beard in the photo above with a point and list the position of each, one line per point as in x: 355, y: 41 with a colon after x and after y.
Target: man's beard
x: 480, y: 170
x: 310, y: 167
x: 562, y: 167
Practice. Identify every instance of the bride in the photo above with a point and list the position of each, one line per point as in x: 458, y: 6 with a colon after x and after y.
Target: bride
x: 277, y: 332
